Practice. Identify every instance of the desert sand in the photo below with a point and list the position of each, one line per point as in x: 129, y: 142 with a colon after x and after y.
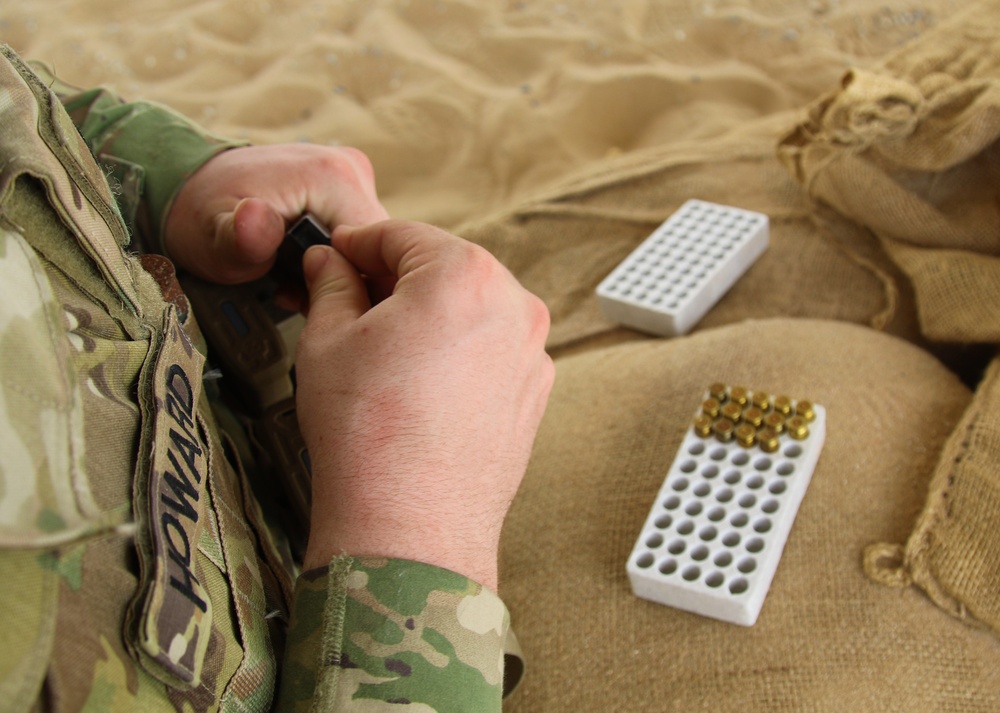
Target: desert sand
x: 467, y: 106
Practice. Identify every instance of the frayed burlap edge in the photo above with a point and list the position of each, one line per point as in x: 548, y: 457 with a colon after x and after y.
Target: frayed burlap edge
x: 953, y: 553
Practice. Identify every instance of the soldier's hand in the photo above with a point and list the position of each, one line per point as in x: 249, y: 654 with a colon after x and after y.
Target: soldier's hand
x: 231, y: 215
x: 419, y: 411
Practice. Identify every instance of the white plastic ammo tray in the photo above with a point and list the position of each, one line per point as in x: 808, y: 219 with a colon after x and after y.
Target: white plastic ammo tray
x: 668, y: 283
x: 717, y: 528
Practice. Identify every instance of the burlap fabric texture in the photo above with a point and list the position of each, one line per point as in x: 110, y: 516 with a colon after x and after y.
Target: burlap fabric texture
x: 911, y: 151
x: 883, y: 248
x: 829, y: 638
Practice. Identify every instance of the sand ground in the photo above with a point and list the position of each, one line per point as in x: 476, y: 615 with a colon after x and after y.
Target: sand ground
x: 467, y: 106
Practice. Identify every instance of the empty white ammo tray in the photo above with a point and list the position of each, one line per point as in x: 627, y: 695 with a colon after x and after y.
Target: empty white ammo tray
x: 668, y: 283
x: 717, y: 528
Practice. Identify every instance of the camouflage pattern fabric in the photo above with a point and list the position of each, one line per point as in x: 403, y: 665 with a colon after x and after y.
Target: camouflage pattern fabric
x: 146, y: 151
x: 395, y: 622
x: 138, y: 571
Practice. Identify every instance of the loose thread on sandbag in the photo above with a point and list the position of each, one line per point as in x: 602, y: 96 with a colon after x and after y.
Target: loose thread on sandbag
x: 885, y: 563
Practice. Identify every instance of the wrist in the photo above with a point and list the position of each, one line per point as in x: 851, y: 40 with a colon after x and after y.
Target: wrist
x: 435, y: 543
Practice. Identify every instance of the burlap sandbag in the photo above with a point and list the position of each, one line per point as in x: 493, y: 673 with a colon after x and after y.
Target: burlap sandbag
x: 954, y: 552
x: 566, y: 240
x: 828, y: 637
x: 910, y: 150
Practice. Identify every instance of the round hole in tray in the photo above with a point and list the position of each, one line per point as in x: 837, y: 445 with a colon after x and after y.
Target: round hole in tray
x: 731, y: 539
x: 672, y: 503
x: 645, y: 560
x: 691, y: 573
x: 693, y: 509
x: 718, y: 453
x: 739, y: 585
x: 762, y: 464
x: 668, y: 566
x: 686, y: 527
x: 754, y: 482
x: 785, y: 469
x: 793, y: 451
x: 739, y: 519
x: 724, y: 495
x: 747, y: 565
x: 680, y: 485
x: 740, y: 458
x: 762, y: 525
x: 716, y: 513
x: 715, y: 580
x: 723, y: 559
x: 696, y: 449
x: 664, y: 521
x: 676, y: 547
x: 732, y: 477
x: 754, y: 545
x: 699, y: 553
x: 654, y: 540
x: 710, y: 471
x: 747, y: 500
x: 702, y: 489
x: 777, y: 487
x: 770, y: 506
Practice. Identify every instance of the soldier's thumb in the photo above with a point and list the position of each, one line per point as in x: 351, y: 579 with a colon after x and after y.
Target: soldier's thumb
x: 337, y: 293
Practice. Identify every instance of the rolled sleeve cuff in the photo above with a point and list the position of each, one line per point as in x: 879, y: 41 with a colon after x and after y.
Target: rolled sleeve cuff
x: 396, y: 631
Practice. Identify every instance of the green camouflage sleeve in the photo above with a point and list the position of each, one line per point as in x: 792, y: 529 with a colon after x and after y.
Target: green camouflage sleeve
x: 370, y: 633
x: 89, y: 354
x: 146, y: 150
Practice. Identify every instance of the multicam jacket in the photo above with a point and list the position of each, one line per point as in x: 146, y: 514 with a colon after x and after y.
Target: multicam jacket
x: 137, y: 569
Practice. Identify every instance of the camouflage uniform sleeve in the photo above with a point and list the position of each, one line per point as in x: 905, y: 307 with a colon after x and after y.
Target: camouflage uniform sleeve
x: 371, y: 634
x: 146, y: 150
